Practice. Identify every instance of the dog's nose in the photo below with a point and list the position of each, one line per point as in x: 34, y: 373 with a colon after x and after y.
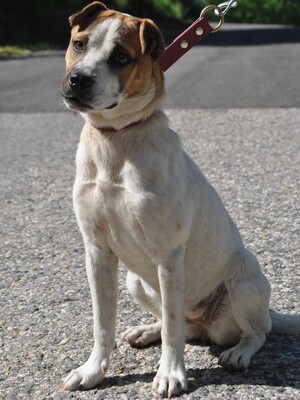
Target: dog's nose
x: 79, y: 81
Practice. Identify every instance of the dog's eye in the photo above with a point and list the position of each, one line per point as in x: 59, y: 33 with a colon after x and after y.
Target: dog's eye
x: 121, y: 59
x: 79, y: 45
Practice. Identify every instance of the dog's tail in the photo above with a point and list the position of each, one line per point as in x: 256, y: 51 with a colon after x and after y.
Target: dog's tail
x: 285, y: 323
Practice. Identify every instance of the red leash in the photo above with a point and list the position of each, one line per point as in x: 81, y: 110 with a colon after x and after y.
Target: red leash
x: 184, y: 42
x: 193, y: 34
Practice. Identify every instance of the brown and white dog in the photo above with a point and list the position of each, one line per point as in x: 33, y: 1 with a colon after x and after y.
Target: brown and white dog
x: 138, y: 197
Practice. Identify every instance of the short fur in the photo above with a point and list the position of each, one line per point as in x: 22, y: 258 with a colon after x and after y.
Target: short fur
x: 138, y: 197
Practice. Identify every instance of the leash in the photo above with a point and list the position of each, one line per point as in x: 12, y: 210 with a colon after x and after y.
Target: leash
x: 194, y: 34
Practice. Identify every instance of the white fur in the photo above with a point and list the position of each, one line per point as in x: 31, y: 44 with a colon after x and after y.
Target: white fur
x: 94, y: 63
x: 138, y: 197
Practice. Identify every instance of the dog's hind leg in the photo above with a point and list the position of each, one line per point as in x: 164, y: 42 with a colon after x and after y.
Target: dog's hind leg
x: 142, y: 335
x: 249, y: 293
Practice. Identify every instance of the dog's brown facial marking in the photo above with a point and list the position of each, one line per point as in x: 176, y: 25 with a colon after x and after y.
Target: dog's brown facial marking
x: 142, y: 42
x: 111, y: 63
x: 81, y: 18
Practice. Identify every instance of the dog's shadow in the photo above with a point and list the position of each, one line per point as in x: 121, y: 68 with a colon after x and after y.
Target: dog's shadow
x: 275, y: 365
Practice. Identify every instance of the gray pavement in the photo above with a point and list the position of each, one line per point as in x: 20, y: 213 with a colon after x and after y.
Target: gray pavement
x: 236, y: 77
x: 248, y: 151
x: 206, y: 77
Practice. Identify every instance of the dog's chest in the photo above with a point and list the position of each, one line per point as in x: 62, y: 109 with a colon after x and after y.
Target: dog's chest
x: 124, y: 199
x: 108, y: 211
x: 114, y: 212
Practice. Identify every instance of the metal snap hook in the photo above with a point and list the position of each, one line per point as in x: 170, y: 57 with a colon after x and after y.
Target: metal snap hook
x: 225, y: 7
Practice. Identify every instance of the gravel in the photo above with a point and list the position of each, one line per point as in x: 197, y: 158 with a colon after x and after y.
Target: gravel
x: 251, y: 157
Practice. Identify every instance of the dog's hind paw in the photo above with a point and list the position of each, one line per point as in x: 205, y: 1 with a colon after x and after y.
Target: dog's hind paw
x: 234, y: 360
x: 139, y: 336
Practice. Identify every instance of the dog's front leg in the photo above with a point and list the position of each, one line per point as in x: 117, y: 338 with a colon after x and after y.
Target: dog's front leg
x: 171, y: 376
x: 102, y: 272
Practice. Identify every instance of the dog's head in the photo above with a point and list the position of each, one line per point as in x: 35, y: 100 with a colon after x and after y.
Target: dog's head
x: 111, y: 63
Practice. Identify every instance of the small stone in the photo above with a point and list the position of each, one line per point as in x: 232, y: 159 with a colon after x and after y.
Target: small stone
x: 64, y: 341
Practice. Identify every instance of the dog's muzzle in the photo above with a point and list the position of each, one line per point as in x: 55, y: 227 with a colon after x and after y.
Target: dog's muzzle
x: 79, y: 82
x: 76, y: 91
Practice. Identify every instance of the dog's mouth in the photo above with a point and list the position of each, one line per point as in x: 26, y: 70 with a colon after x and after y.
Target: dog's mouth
x: 75, y: 102
x: 114, y: 105
x: 78, y: 104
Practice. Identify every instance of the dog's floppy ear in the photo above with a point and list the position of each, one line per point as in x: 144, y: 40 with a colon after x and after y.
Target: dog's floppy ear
x: 151, y: 38
x: 87, y: 11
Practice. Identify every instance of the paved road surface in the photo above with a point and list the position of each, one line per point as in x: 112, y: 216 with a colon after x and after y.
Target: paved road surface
x: 207, y: 77
x: 251, y: 156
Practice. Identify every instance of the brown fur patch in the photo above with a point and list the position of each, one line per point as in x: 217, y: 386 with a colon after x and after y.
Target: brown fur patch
x: 151, y: 39
x: 136, y: 78
x: 87, y: 12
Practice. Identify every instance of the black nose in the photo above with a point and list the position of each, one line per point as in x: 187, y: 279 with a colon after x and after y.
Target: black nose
x: 79, y: 82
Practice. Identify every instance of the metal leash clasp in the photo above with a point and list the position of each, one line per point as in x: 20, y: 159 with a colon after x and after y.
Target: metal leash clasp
x: 194, y: 33
x: 225, y: 7
x: 221, y: 10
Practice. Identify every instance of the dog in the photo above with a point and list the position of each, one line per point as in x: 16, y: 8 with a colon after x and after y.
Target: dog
x: 139, y: 198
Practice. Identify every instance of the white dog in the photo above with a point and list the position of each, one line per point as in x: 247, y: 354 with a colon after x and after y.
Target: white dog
x: 138, y: 197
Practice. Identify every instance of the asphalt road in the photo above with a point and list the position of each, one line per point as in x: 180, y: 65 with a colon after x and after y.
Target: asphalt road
x: 206, y: 77
x: 238, y: 114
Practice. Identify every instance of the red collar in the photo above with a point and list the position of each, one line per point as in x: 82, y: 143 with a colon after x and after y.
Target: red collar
x: 111, y: 129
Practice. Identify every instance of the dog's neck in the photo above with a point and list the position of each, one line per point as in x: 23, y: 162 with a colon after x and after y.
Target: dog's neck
x: 108, y: 129
x: 110, y: 121
x: 104, y: 153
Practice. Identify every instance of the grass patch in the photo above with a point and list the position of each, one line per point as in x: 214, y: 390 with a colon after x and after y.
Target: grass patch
x: 23, y: 50
x: 12, y: 51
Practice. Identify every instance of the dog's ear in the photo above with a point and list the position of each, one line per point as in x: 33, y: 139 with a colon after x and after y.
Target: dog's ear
x: 152, y: 41
x: 87, y: 11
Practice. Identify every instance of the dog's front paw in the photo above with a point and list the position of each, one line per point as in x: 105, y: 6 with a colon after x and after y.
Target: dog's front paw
x: 87, y: 376
x: 170, y: 379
